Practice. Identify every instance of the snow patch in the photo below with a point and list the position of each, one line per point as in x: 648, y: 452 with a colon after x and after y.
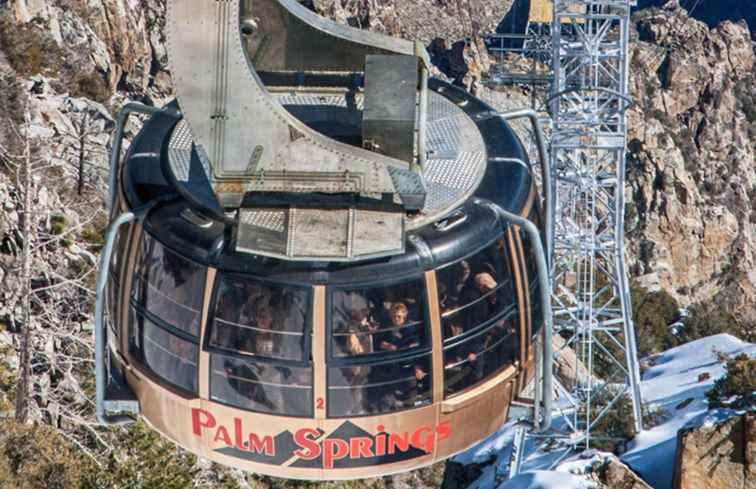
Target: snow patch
x: 543, y: 479
x: 672, y: 383
x: 675, y: 382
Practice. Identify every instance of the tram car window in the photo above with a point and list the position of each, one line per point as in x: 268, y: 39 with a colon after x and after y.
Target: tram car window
x: 379, y: 322
x: 479, y: 317
x: 362, y: 389
x: 167, y: 355
x: 379, y: 319
x: 270, y: 322
x: 168, y: 286
x: 261, y: 387
x: 481, y: 355
x: 114, y: 282
x: 164, y: 317
x: 258, y: 319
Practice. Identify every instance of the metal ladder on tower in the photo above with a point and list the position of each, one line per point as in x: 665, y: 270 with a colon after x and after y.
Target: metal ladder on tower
x: 591, y: 296
x: 590, y: 288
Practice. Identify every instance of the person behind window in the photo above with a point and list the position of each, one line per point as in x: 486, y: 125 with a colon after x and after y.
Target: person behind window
x: 401, y: 337
x: 360, y: 327
x: 463, y: 277
x: 289, y: 317
x: 224, y: 332
x: 461, y: 362
x: 444, y: 301
x: 465, y: 352
x: 246, y: 378
x: 486, y: 299
x: 262, y: 341
x: 500, y: 344
x: 485, y: 283
x: 359, y: 341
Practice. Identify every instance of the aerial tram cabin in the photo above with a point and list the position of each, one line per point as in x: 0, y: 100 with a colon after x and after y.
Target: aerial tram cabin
x: 322, y: 263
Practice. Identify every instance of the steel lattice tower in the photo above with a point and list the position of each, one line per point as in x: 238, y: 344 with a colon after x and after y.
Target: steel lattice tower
x: 591, y: 298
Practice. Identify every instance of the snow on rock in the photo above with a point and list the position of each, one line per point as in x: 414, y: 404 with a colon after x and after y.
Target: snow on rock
x: 544, y: 479
x: 672, y: 383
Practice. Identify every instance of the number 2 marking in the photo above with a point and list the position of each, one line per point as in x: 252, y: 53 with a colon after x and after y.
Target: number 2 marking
x: 321, y: 403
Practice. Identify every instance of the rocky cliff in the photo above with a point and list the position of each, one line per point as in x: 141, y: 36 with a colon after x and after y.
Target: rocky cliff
x: 692, y: 142
x: 69, y: 64
x: 452, y: 29
x: 692, y: 139
x: 720, y: 456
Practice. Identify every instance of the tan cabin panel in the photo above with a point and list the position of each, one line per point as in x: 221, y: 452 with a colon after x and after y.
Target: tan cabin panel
x: 320, y: 391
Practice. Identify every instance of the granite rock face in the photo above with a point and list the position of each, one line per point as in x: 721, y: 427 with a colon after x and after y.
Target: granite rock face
x: 120, y: 41
x: 722, y: 456
x: 452, y: 29
x: 613, y: 474
x: 692, y: 135
x: 692, y: 149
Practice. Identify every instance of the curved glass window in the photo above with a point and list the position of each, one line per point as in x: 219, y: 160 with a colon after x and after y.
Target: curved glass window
x: 377, y: 388
x: 169, y: 286
x: 261, y: 319
x: 261, y: 387
x: 531, y: 266
x: 479, y: 317
x: 114, y: 281
x: 476, y: 289
x: 481, y: 355
x: 380, y: 349
x: 166, y: 354
x: 383, y: 319
x: 259, y: 343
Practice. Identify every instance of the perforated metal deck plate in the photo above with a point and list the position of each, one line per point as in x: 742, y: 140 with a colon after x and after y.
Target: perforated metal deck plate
x: 318, y: 234
x: 457, y: 153
x: 180, y: 153
x: 454, y: 169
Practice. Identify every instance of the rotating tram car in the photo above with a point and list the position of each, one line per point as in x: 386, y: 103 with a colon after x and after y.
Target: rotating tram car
x: 322, y: 262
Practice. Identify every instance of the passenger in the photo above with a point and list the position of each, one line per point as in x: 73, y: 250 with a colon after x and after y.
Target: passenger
x: 497, y: 258
x: 360, y: 327
x: 291, y: 321
x: 500, y: 345
x: 486, y: 285
x: 488, y: 268
x: 452, y: 324
x: 461, y: 363
x: 400, y: 337
x: 463, y: 277
x: 359, y: 341
x: 262, y: 341
x: 224, y: 330
x: 464, y: 353
x: 485, y: 282
x: 249, y: 302
x: 443, y: 296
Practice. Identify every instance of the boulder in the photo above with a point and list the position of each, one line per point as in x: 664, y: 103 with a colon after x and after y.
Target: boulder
x: 613, y: 474
x: 718, y: 456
